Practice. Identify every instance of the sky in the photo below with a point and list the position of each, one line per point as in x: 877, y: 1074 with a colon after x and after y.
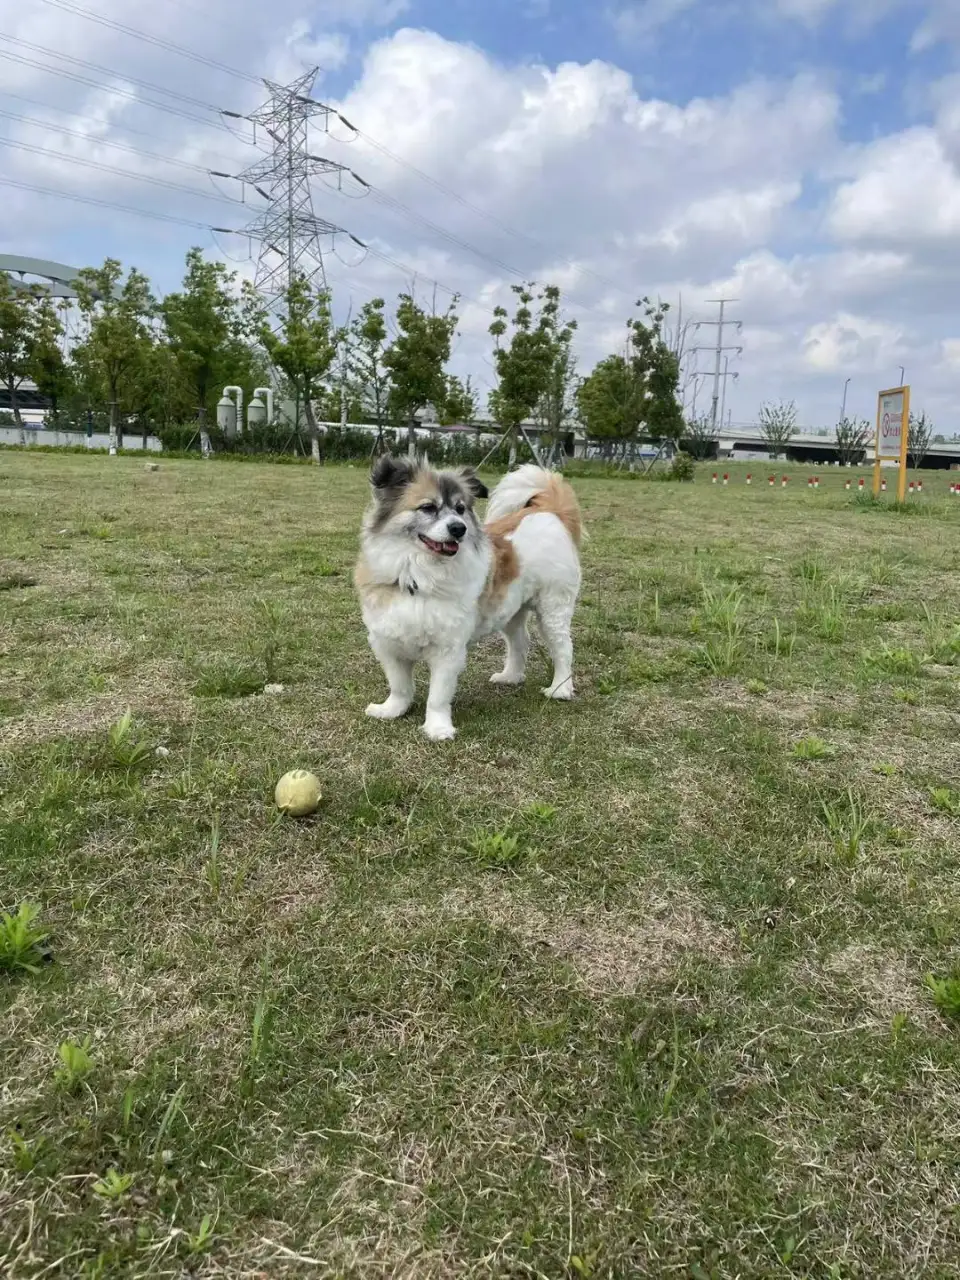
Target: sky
x: 799, y: 157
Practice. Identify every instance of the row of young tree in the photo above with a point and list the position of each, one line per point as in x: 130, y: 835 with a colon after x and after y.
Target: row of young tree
x: 852, y: 436
x: 135, y: 363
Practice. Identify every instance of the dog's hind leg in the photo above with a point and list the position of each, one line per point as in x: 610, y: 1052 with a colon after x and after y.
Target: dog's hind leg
x: 518, y: 645
x: 399, y: 673
x: 554, y: 615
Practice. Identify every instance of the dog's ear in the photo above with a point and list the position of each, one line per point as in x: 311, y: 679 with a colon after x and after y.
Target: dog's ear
x: 389, y: 474
x: 473, y: 483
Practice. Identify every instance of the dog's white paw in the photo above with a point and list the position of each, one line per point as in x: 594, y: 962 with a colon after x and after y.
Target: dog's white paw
x: 439, y: 730
x: 388, y: 710
x: 506, y: 677
x: 560, y: 692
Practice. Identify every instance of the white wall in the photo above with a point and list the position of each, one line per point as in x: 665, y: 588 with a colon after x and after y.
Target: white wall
x: 99, y: 440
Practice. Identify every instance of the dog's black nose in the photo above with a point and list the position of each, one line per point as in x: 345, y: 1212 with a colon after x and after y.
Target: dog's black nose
x: 456, y: 528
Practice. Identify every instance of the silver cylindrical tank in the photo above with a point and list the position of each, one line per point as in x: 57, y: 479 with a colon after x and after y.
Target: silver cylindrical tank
x: 256, y: 413
x: 227, y: 416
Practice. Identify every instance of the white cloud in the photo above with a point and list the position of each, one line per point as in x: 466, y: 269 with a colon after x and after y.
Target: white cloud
x: 586, y: 182
x: 640, y: 20
x: 906, y: 189
x: 852, y: 344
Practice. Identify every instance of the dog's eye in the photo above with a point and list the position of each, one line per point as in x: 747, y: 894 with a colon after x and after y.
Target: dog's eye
x: 429, y: 508
x: 460, y: 508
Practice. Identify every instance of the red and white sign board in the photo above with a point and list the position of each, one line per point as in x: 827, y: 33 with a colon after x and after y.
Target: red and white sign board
x: 893, y: 432
x: 892, y: 424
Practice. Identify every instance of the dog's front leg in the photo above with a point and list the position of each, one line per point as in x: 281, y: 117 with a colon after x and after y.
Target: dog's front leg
x: 445, y: 671
x: 399, y: 673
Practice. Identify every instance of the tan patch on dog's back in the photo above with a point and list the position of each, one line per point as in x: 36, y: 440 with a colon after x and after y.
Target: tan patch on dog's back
x: 558, y: 498
x: 504, y: 569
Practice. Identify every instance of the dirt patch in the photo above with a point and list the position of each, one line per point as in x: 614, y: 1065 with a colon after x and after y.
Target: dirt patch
x: 612, y: 953
x: 885, y: 982
x: 97, y: 713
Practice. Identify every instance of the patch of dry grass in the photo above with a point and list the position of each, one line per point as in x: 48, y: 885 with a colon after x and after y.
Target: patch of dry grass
x: 681, y: 1030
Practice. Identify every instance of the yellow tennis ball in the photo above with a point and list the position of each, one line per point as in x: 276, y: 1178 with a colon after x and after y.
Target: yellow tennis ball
x: 298, y: 793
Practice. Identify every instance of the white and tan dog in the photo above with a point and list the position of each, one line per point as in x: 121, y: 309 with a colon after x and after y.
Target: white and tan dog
x: 432, y: 581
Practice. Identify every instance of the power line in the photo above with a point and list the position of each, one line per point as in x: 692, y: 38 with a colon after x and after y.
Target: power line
x: 107, y: 71
x: 114, y: 90
x: 105, y: 204
x: 120, y: 173
x: 97, y: 120
x: 158, y: 41
x: 100, y: 142
x: 477, y: 209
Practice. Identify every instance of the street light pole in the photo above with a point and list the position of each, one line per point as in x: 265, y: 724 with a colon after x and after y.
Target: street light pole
x: 843, y: 407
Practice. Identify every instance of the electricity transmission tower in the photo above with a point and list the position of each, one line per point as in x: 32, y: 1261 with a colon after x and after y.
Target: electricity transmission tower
x: 718, y: 351
x: 289, y: 231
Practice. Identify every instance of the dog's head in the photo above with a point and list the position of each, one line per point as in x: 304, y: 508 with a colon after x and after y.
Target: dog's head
x: 434, y: 509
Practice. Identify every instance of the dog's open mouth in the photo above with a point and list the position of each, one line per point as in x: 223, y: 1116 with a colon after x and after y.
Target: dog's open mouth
x: 441, y: 548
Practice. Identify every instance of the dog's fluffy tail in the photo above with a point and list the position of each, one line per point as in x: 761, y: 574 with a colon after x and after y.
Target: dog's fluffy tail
x: 531, y: 488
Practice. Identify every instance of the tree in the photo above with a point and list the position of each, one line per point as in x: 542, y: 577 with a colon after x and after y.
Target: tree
x: 852, y: 436
x: 416, y: 360
x: 919, y: 434
x: 305, y: 346
x: 558, y: 402
x: 778, y: 422
x: 524, y: 364
x: 460, y: 402
x: 636, y: 393
x: 698, y: 436
x: 204, y: 328
x: 29, y: 341
x: 610, y: 401
x: 162, y: 393
x: 115, y: 351
x: 51, y: 371
x: 369, y: 373
x: 656, y: 368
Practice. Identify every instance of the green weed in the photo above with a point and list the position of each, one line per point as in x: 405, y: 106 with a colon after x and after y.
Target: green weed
x: 495, y: 849
x: 946, y: 800
x: 21, y: 940
x: 128, y: 748
x: 76, y: 1064
x: 945, y: 993
x: 813, y: 749
x: 848, y: 824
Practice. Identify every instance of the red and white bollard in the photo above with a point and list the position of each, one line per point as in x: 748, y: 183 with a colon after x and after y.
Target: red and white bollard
x: 749, y: 478
x: 772, y: 479
x: 910, y: 489
x: 725, y: 479
x: 847, y: 485
x: 783, y: 483
x: 860, y: 485
x: 883, y: 486
x: 816, y: 482
x: 919, y: 486
x: 714, y: 480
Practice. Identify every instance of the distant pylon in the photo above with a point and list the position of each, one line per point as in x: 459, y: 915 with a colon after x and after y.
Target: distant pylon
x: 290, y: 233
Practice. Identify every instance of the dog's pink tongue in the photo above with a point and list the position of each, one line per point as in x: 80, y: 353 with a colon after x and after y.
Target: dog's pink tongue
x: 451, y: 548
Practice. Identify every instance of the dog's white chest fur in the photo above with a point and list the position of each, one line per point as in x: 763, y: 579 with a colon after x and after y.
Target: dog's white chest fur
x: 426, y: 605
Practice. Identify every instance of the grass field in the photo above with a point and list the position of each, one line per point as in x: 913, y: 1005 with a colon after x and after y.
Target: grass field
x: 663, y: 982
